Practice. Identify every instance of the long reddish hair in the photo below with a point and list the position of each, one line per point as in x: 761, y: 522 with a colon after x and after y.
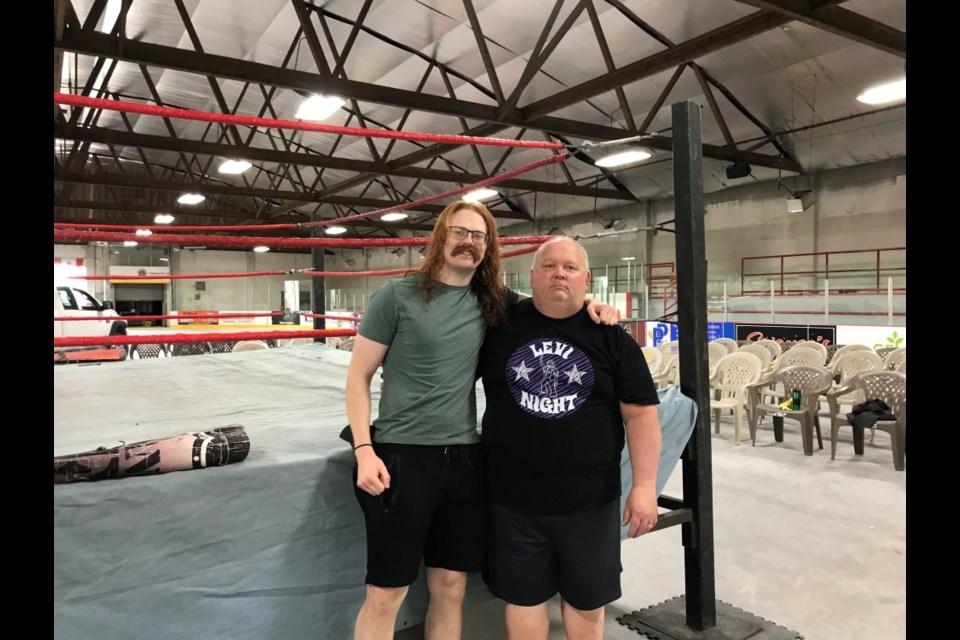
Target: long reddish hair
x: 485, y: 283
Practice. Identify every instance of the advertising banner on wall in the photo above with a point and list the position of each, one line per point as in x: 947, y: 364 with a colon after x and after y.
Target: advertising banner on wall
x: 825, y: 334
x: 873, y: 337
x: 658, y: 332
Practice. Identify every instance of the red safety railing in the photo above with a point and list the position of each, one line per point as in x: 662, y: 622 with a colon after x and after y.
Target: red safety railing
x: 853, y: 271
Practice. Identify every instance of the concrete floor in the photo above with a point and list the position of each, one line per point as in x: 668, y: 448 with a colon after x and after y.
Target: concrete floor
x: 813, y: 545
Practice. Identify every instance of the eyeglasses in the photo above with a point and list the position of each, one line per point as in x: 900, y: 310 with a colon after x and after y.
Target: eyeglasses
x: 459, y: 233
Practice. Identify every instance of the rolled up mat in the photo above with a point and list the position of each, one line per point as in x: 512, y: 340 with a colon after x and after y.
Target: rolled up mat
x: 213, y: 448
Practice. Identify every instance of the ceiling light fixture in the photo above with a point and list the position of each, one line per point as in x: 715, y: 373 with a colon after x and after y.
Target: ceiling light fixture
x: 799, y: 202
x: 163, y: 218
x: 319, y: 107
x: 629, y: 258
x: 234, y: 166
x: 479, y: 195
x: 882, y: 94
x: 621, y: 158
x: 130, y: 243
x: 335, y: 231
x: 393, y: 217
x: 191, y: 198
x: 618, y: 153
x: 144, y: 232
x: 261, y: 249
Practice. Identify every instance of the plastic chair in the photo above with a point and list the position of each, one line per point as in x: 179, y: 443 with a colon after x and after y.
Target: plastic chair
x: 190, y: 349
x: 807, y: 357
x: 765, y: 355
x: 669, y: 374
x: 654, y: 358
x: 791, y: 357
x: 811, y: 382
x: 222, y: 346
x: 715, y: 353
x: 729, y: 343
x: 735, y: 372
x: 891, y: 388
x: 849, y: 365
x: 141, y: 351
x: 250, y: 345
x: 296, y: 341
x: 893, y: 359
x: 883, y: 352
x: 833, y: 362
x: 772, y: 346
x: 670, y: 349
x: 902, y: 365
x: 812, y: 344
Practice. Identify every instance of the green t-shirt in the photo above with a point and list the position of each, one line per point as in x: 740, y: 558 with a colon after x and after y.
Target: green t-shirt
x: 429, y: 370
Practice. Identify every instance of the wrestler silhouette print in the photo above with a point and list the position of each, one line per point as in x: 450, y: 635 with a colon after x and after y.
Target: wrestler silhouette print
x: 549, y: 378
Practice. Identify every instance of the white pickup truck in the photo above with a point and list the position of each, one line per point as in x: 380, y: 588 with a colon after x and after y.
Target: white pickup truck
x: 70, y: 301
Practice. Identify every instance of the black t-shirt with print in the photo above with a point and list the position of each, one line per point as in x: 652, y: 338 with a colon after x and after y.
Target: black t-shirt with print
x: 552, y: 428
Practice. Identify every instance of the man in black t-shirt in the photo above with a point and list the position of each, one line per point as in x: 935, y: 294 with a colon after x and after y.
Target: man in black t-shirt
x: 563, y: 395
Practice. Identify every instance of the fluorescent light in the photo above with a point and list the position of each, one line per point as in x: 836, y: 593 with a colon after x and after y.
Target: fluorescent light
x: 130, y: 243
x: 393, y: 217
x: 261, y: 249
x: 144, y: 232
x: 191, y: 198
x: 623, y: 157
x: 164, y: 259
x: 335, y: 231
x: 628, y: 259
x: 318, y: 107
x: 163, y: 218
x: 478, y: 195
x: 890, y: 92
x: 234, y: 166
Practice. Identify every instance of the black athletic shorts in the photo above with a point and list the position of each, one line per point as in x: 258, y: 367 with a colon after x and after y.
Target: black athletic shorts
x: 532, y: 558
x: 435, y: 510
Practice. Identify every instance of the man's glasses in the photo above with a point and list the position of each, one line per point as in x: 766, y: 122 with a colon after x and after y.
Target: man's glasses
x: 459, y: 233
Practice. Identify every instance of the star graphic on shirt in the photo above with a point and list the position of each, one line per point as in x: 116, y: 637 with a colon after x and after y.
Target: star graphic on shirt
x: 574, y: 374
x: 522, y: 372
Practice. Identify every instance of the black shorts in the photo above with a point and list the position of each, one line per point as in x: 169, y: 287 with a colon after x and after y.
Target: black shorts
x: 532, y: 558
x: 435, y: 511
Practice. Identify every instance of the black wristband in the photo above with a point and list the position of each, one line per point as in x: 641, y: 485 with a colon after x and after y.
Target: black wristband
x: 362, y: 445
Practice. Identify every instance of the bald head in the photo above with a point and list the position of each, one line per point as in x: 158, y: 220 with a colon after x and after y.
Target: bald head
x: 558, y: 239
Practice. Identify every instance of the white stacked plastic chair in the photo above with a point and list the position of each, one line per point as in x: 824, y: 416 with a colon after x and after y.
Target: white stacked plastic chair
x: 729, y: 343
x: 250, y: 345
x: 849, y: 365
x: 654, y: 358
x: 892, y: 361
x: 735, y: 372
x: 842, y: 351
x: 813, y: 344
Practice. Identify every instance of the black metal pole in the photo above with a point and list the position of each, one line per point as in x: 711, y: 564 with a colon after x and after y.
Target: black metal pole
x: 318, y: 283
x: 694, y: 375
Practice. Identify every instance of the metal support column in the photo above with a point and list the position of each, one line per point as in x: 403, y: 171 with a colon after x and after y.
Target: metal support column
x: 694, y: 373
x: 318, y: 285
x: 695, y: 615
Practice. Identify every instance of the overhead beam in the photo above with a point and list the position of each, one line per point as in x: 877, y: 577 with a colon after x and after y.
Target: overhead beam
x: 99, y: 205
x: 139, y: 140
x: 841, y: 22
x: 532, y: 117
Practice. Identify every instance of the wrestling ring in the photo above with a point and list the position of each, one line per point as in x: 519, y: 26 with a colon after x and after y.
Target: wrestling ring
x: 262, y: 538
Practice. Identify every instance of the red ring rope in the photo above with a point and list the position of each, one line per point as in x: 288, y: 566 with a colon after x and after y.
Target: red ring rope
x: 250, y: 121
x: 72, y: 235
x: 222, y: 336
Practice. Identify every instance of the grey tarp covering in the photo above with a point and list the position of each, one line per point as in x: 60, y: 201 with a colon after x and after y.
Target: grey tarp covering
x: 271, y: 547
